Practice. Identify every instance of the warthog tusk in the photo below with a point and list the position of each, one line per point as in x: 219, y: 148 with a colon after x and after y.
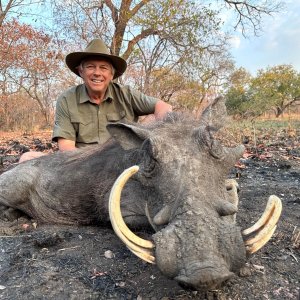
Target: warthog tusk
x: 143, y: 253
x: 137, y: 245
x: 265, y: 226
x: 273, y: 210
x: 260, y: 243
x: 146, y: 256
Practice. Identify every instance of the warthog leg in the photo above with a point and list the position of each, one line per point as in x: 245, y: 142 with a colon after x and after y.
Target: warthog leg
x: 9, y: 213
x: 265, y: 226
x: 140, y: 247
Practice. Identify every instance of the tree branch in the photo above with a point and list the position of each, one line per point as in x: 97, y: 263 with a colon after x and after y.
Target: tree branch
x: 113, y: 9
x: 248, y: 13
x: 145, y: 33
x: 138, y: 7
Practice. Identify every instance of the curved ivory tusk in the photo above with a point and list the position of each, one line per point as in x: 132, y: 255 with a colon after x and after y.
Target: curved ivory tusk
x: 265, y: 226
x: 232, y: 188
x: 257, y: 245
x: 143, y: 253
x: 115, y: 210
x: 271, y: 214
x: 148, y: 257
x: 231, y: 184
x: 135, y: 244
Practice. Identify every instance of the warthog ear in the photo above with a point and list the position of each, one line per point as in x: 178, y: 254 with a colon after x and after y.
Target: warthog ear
x: 215, y: 115
x: 212, y: 119
x: 203, y: 136
x: 127, y: 135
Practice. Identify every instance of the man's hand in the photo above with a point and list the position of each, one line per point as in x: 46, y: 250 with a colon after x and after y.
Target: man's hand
x: 65, y: 145
x: 161, y: 109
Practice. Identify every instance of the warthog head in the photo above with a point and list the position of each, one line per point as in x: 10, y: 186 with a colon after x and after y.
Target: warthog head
x: 197, y: 241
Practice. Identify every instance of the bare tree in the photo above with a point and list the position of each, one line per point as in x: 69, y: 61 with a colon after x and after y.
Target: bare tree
x: 182, y: 39
x: 249, y: 14
x: 148, y: 34
x: 31, y: 64
x: 123, y: 24
x: 16, y: 8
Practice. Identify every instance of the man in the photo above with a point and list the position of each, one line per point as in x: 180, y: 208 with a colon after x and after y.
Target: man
x: 83, y: 111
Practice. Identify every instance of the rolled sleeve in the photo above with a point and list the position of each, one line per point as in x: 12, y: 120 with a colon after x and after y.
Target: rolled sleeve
x: 142, y: 104
x: 63, y: 128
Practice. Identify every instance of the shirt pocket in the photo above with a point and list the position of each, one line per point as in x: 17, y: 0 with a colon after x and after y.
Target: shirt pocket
x: 115, y: 116
x: 86, y: 130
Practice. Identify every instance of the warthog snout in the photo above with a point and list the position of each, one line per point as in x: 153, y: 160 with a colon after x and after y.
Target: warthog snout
x: 196, y: 260
x: 204, y: 276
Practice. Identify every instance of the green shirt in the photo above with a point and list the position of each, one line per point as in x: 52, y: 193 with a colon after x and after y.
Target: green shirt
x: 80, y: 120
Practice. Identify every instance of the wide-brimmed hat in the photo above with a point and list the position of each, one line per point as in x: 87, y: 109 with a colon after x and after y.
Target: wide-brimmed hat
x: 96, y: 48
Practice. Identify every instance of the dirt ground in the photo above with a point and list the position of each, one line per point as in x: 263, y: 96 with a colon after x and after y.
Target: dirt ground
x: 63, y: 262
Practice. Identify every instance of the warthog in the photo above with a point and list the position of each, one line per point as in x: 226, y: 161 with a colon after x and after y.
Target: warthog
x: 179, y: 186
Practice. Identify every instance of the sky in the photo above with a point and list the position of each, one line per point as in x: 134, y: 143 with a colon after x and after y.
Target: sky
x: 279, y: 43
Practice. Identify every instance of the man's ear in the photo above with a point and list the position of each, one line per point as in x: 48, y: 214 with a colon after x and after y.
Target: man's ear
x: 79, y: 69
x: 127, y: 135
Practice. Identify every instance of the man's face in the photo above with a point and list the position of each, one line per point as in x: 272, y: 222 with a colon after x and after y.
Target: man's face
x: 96, y: 74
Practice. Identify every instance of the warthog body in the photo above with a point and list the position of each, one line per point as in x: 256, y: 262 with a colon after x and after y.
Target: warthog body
x: 181, y: 179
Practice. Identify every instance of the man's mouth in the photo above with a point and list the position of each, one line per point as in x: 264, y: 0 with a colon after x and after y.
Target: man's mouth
x: 97, y: 80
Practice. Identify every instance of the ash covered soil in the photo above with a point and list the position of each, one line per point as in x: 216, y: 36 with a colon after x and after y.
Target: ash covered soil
x: 62, y: 262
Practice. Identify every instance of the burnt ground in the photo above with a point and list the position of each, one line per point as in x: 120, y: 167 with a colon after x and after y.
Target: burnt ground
x: 63, y: 262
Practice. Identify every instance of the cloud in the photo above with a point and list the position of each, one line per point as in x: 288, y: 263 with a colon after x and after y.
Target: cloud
x: 279, y: 43
x: 235, y: 41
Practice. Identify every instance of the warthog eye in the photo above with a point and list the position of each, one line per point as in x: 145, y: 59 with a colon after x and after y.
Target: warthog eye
x: 149, y: 165
x: 149, y: 162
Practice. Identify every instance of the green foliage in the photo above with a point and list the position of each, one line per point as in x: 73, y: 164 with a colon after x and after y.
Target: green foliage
x: 237, y: 100
x: 275, y: 88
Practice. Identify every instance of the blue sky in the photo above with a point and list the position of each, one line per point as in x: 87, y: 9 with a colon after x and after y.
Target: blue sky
x: 279, y: 43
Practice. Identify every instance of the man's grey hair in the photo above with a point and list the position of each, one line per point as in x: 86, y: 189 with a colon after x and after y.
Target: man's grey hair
x: 80, y: 67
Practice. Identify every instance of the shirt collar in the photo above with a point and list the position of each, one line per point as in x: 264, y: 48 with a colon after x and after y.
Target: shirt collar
x: 84, y: 97
x: 109, y: 93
